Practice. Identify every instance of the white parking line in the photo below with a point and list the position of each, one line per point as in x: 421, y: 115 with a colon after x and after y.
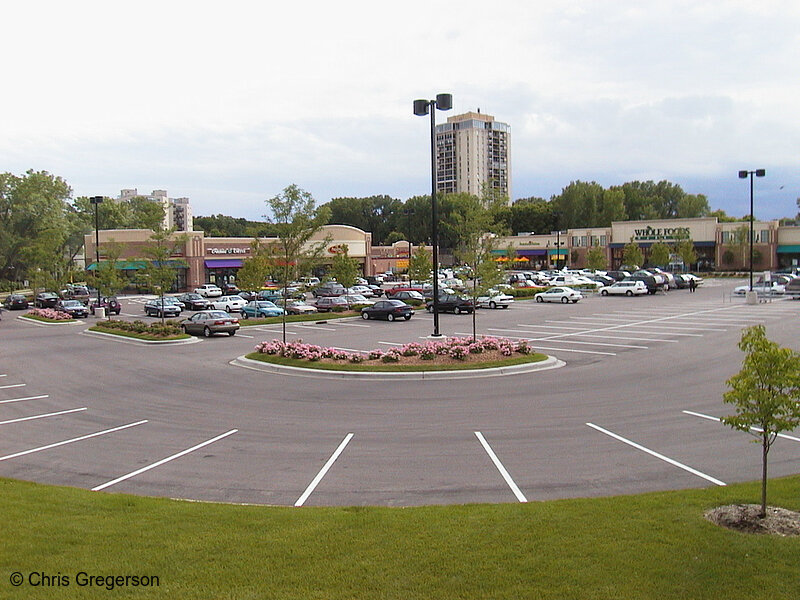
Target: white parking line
x: 316, y: 327
x: 353, y: 325
x: 3, y: 375
x: 52, y: 414
x: 656, y: 454
x: 756, y: 429
x: 13, y: 385
x: 163, y: 461
x: 520, y: 496
x: 571, y: 341
x: 77, y: 439
x: 245, y: 336
x: 301, y: 500
x: 627, y: 322
x: 25, y: 398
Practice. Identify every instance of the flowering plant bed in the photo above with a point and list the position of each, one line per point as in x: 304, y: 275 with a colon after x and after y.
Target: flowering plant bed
x: 140, y: 330
x: 449, y: 355
x: 48, y: 315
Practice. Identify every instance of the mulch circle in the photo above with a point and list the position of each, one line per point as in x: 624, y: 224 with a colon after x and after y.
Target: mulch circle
x: 745, y: 518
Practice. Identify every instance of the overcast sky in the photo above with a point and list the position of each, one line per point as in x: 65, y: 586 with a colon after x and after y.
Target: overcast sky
x: 228, y: 103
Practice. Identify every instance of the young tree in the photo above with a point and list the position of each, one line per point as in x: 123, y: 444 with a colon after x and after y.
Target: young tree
x: 255, y: 268
x: 765, y: 394
x: 420, y: 264
x: 596, y: 258
x: 295, y: 219
x: 685, y: 249
x: 659, y: 254
x: 632, y: 254
x: 344, y: 268
x: 107, y: 277
x: 160, y: 267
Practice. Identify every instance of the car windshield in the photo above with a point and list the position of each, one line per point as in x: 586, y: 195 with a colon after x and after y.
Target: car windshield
x: 218, y: 314
x: 71, y: 303
x: 266, y: 304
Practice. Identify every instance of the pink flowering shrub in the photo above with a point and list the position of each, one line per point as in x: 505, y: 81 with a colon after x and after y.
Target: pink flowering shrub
x: 455, y: 347
x: 50, y: 313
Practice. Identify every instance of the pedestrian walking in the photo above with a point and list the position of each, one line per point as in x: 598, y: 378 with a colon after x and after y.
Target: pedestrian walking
x: 692, y: 285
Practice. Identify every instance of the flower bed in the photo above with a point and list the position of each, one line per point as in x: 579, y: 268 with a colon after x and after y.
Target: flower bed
x: 170, y: 330
x: 452, y: 354
x: 48, y: 315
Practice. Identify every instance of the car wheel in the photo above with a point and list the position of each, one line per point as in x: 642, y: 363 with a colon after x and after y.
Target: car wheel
x: 183, y: 329
x: 365, y: 316
x: 457, y: 310
x: 492, y: 305
x: 564, y: 300
x: 227, y: 309
x: 429, y: 308
x: 539, y: 299
x: 407, y: 317
x: 629, y: 293
x: 390, y: 317
x: 232, y: 333
x: 604, y: 293
x: 245, y: 316
x: 206, y: 332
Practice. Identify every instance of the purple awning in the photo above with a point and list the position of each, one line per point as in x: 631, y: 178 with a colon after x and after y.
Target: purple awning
x: 224, y: 263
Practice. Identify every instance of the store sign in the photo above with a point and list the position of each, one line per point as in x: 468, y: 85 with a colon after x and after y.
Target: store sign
x: 338, y: 249
x: 662, y: 233
x: 228, y: 250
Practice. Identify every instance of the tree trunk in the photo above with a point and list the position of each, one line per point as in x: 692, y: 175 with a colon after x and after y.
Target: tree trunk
x: 764, y: 451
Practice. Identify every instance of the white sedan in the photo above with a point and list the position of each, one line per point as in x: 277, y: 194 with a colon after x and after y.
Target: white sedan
x: 624, y: 288
x: 561, y: 294
x: 495, y: 299
x: 208, y: 290
x: 228, y: 303
x: 768, y: 288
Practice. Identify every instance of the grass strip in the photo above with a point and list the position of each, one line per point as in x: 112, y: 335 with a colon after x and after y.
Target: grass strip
x: 640, y: 547
x: 138, y: 336
x: 382, y: 367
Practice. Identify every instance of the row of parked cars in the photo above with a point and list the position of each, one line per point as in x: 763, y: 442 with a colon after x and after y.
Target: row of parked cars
x: 75, y: 300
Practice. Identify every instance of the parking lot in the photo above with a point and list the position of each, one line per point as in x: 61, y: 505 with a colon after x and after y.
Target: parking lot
x: 635, y: 409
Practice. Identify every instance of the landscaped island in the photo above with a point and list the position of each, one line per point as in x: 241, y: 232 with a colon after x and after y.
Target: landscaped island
x: 452, y: 354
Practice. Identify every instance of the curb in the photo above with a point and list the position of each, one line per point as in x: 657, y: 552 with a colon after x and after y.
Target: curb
x: 25, y: 319
x: 129, y: 340
x: 256, y: 365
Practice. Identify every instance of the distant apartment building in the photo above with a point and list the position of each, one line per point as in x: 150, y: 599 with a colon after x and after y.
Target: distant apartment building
x: 472, y: 150
x: 177, y: 211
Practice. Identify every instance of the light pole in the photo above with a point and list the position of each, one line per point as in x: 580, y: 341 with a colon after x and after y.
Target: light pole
x: 422, y: 108
x: 743, y: 175
x: 96, y: 201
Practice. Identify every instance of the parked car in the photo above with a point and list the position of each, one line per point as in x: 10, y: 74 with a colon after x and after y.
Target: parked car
x: 495, y: 299
x: 405, y: 295
x: 299, y: 307
x: 229, y: 289
x: 391, y: 292
x: 769, y: 288
x: 110, y: 303
x: 390, y: 310
x: 330, y: 289
x: 228, y: 303
x: 261, y: 308
x: 364, y: 290
x: 74, y: 308
x: 15, y: 302
x: 650, y: 282
x: 562, y: 294
x: 194, y: 301
x: 352, y: 299
x: 209, y: 322
x: 451, y: 303
x: 175, y: 300
x: 792, y: 289
x: 618, y: 275
x: 76, y: 292
x: 208, y: 290
x: 46, y: 300
x: 624, y: 288
x: 157, y: 308
x: 328, y: 303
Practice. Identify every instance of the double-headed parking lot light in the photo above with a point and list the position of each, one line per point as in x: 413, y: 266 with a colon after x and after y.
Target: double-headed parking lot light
x: 96, y: 201
x: 743, y: 175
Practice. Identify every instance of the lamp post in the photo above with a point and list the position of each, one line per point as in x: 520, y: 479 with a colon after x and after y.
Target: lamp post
x: 743, y: 175
x: 422, y: 108
x: 96, y: 201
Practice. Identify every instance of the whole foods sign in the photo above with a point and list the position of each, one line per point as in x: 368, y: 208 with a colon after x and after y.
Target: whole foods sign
x: 661, y: 233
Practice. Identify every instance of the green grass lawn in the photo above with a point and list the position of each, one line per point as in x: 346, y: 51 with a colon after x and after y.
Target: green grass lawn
x: 651, y: 546
x: 139, y: 336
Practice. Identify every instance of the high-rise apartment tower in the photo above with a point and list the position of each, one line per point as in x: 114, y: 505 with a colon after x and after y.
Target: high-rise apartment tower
x: 472, y: 150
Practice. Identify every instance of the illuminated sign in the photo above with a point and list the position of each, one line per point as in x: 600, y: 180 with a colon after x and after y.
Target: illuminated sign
x: 338, y: 249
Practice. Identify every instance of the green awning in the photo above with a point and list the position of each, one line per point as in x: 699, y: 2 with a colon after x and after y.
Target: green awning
x: 789, y: 249
x: 135, y: 265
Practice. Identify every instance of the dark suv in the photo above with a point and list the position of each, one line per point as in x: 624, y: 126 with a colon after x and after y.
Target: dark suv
x: 451, y: 303
x: 329, y: 290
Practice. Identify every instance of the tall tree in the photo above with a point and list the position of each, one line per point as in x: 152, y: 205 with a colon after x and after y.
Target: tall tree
x: 255, y: 268
x: 765, y: 394
x: 533, y: 215
x: 420, y: 264
x: 659, y: 254
x: 33, y: 224
x: 295, y: 219
x: 376, y: 214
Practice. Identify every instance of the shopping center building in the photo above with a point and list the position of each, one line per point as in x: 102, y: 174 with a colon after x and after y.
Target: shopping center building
x: 198, y: 259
